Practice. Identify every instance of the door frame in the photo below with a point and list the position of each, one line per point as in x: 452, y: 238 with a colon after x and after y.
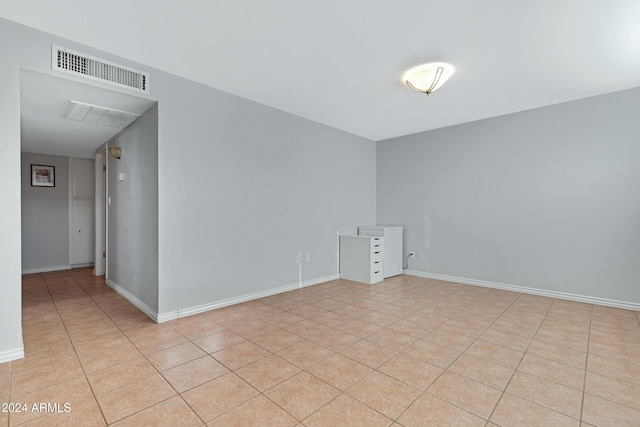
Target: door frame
x: 101, y: 184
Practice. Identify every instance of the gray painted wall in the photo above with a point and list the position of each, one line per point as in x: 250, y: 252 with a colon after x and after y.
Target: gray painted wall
x: 133, y: 214
x: 546, y: 198
x: 243, y: 188
x: 11, y: 345
x: 45, y: 216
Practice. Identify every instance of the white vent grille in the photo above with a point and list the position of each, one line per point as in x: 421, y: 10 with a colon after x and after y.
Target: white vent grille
x: 68, y: 61
x: 99, y: 115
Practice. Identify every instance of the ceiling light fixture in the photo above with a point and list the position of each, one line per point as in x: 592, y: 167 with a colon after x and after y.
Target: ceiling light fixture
x: 116, y: 152
x: 428, y: 78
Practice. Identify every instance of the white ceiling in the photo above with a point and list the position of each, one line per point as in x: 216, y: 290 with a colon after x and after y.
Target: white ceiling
x: 340, y: 62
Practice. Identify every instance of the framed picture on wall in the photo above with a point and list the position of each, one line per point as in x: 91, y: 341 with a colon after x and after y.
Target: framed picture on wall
x: 43, y: 176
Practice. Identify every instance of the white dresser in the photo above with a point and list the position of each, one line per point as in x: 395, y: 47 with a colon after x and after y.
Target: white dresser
x: 361, y: 258
x: 392, y: 246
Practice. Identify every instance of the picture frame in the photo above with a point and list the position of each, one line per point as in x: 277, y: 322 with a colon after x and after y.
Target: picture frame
x: 43, y: 176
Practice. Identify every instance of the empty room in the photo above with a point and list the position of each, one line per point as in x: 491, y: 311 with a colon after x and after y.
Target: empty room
x: 288, y: 213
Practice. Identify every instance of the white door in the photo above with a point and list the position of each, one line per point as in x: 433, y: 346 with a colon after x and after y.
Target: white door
x: 81, y: 207
x: 100, y: 206
x: 83, y: 219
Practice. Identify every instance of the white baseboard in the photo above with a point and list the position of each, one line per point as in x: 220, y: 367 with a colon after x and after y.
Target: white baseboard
x: 11, y: 355
x: 164, y: 317
x: 525, y: 290
x: 46, y: 269
x: 153, y: 314
x: 86, y: 264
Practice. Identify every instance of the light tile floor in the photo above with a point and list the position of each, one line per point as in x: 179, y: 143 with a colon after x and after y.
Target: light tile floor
x: 405, y: 352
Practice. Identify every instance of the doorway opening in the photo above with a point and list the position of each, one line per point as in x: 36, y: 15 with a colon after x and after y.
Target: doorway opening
x: 65, y: 226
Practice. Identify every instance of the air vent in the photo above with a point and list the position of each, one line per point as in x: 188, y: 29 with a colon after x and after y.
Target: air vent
x: 79, y: 64
x: 88, y: 113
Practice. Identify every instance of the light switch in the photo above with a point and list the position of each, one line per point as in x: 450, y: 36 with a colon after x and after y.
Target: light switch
x: 121, y: 176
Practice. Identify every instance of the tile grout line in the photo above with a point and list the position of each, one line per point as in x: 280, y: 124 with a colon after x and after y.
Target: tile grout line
x: 53, y: 302
x: 95, y: 397
x: 262, y: 393
x: 341, y: 392
x: 586, y: 365
x: 74, y: 347
x: 526, y: 351
x: 504, y: 391
x: 611, y: 378
x: 232, y: 371
x: 144, y: 356
x: 450, y: 364
x: 443, y: 371
x: 9, y: 394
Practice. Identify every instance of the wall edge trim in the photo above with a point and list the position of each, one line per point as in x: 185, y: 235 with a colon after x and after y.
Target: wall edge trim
x: 165, y: 317
x: 46, y: 269
x: 153, y: 314
x: 11, y: 355
x: 525, y: 290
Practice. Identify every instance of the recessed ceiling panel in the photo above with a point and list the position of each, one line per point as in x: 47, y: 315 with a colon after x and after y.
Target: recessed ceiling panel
x: 96, y: 114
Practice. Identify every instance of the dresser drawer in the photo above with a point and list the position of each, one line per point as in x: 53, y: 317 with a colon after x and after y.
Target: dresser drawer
x: 377, y: 276
x: 377, y: 243
x: 362, y: 258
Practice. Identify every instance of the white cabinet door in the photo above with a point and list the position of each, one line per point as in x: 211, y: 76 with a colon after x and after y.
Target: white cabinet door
x: 361, y: 258
x: 83, y: 231
x: 81, y: 207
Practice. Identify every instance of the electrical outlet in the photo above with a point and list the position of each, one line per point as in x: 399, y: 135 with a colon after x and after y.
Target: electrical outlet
x: 298, y: 258
x: 419, y: 255
x: 307, y: 257
x: 412, y: 255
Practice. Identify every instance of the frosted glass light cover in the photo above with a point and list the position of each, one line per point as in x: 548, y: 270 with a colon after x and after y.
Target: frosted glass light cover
x: 428, y: 78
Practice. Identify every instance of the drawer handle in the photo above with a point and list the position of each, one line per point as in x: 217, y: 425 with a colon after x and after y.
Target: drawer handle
x: 376, y: 272
x: 377, y: 262
x: 376, y: 252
